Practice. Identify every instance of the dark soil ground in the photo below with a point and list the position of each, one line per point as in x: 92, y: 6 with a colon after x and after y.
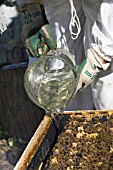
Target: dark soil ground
x: 9, y: 154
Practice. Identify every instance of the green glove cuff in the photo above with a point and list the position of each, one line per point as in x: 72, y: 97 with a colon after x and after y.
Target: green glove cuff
x: 88, y: 70
x: 36, y: 33
x: 33, y: 19
x: 31, y: 44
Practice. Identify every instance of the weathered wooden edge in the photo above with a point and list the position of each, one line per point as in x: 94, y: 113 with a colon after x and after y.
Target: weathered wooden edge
x: 34, y: 144
x: 90, y: 112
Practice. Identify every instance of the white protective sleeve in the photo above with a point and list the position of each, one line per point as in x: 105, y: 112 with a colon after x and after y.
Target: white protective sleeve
x: 20, y: 2
x: 99, y: 23
x: 103, y: 31
x: 99, y: 27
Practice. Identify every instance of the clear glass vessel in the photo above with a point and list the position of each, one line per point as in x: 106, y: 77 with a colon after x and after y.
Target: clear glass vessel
x: 51, y: 81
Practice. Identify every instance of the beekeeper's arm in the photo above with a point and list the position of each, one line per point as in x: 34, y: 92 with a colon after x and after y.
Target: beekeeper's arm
x: 100, y: 53
x: 36, y: 31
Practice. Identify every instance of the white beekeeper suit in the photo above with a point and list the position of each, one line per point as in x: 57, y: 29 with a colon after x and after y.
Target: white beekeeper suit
x: 98, y: 34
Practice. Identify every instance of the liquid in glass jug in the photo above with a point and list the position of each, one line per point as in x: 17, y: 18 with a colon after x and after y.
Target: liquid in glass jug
x: 51, y: 81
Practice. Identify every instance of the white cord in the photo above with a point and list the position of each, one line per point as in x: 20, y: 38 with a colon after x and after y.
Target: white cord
x: 74, y: 22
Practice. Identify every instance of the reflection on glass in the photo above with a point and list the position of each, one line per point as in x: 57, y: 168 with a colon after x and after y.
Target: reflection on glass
x: 50, y: 81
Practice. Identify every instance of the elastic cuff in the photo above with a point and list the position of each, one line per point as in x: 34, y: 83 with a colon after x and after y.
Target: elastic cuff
x: 100, y: 53
x: 103, y: 66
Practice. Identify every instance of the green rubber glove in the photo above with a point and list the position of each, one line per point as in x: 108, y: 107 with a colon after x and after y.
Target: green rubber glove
x: 41, y: 42
x: 89, y: 68
x: 36, y: 32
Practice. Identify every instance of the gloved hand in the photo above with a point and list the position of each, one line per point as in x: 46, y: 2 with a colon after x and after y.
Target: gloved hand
x: 89, y: 69
x: 36, y: 32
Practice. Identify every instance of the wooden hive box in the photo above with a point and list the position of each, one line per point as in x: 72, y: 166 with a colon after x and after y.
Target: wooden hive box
x: 51, y: 146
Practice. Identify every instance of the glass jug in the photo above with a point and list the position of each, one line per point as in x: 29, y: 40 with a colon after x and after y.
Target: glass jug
x: 51, y: 81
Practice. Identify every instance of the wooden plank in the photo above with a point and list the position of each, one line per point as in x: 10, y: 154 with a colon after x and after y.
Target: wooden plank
x: 89, y: 112
x: 34, y: 144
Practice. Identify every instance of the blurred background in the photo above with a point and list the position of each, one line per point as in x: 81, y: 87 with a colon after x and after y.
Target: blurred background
x: 19, y: 117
